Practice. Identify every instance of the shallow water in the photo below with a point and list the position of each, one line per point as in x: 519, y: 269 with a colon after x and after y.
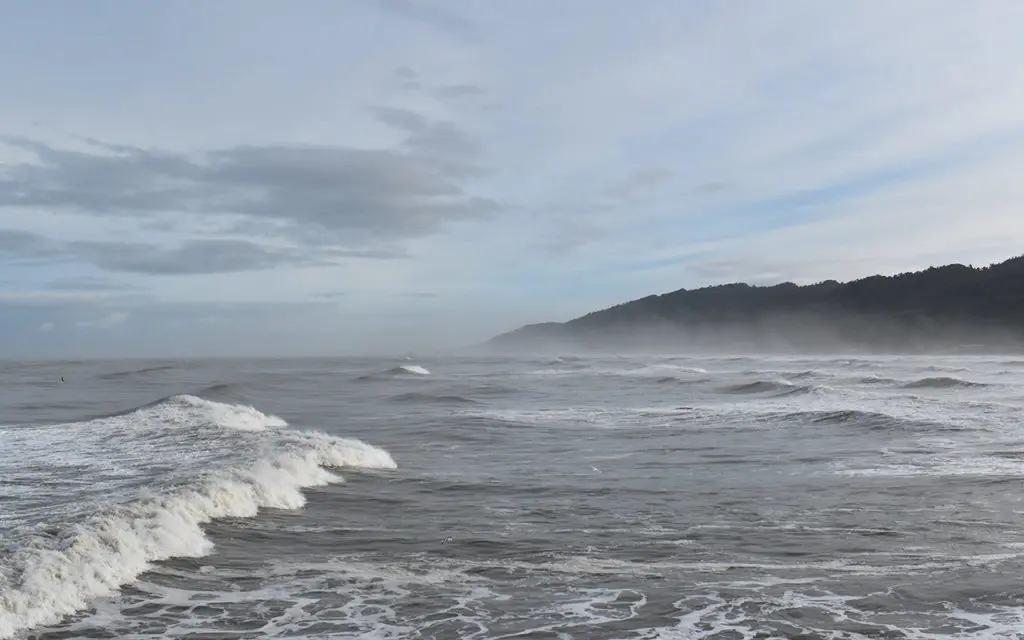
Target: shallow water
x: 619, y: 497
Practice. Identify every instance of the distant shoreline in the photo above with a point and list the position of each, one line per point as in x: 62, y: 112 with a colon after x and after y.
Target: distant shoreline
x: 951, y: 310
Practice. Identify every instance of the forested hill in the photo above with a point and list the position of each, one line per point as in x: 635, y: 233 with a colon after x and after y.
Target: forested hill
x: 951, y: 307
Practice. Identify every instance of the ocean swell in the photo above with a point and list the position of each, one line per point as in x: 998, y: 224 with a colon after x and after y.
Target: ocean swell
x: 870, y: 420
x: 774, y: 388
x: 942, y: 382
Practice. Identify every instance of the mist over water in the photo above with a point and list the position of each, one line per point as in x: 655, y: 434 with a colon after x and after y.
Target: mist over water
x: 553, y: 496
x: 643, y: 326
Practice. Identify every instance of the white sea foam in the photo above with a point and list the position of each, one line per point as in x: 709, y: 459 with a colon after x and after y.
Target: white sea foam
x: 414, y: 369
x: 56, y: 569
x: 192, y: 409
x: 745, y: 616
x: 652, y: 370
x: 662, y: 369
x: 385, y: 599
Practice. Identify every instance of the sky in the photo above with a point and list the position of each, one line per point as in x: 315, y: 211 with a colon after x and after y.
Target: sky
x: 254, y: 177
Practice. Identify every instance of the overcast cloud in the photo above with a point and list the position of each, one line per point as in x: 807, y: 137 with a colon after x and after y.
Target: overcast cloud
x: 338, y: 177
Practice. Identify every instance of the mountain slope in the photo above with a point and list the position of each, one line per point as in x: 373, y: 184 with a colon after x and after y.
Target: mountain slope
x: 949, y: 308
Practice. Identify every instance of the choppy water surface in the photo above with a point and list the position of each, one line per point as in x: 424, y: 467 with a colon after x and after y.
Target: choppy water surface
x: 619, y: 497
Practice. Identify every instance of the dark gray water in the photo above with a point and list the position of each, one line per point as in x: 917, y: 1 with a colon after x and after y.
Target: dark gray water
x: 545, y: 498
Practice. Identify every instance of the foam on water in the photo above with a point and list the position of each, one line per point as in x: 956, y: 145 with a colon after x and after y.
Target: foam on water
x: 57, y: 563
x: 571, y: 597
x: 414, y: 369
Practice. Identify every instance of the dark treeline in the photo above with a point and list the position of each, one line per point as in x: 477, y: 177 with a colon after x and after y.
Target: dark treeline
x: 949, y: 308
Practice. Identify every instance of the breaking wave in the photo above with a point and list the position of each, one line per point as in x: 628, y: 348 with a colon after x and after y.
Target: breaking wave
x: 405, y: 370
x: 409, y: 369
x: 237, y: 460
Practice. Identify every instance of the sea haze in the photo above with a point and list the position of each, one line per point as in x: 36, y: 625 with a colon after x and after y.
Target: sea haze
x: 550, y: 497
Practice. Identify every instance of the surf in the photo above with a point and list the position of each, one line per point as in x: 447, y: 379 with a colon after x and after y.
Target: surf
x: 91, y: 548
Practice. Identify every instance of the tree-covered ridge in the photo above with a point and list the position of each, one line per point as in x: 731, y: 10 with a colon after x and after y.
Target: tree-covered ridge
x: 950, y: 303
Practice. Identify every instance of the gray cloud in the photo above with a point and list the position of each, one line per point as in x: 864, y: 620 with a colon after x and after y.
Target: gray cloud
x: 22, y: 244
x: 405, y: 73
x: 199, y: 256
x: 446, y: 21
x: 571, y: 233
x: 409, y: 80
x: 358, y: 201
x: 713, y: 186
x: 416, y: 294
x: 87, y: 283
x: 439, y: 139
x: 636, y: 182
x: 192, y: 257
x: 459, y: 91
x: 69, y: 299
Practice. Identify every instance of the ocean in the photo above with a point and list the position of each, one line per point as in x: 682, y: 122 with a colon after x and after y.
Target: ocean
x: 573, y: 497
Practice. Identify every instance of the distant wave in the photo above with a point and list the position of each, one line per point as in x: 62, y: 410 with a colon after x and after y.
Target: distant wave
x: 662, y: 369
x: 869, y: 419
x: 121, y: 375
x: 789, y: 375
x: 809, y: 373
x: 946, y: 368
x: 773, y: 387
x: 492, y: 390
x: 572, y: 360
x: 429, y: 398
x: 850, y: 362
x: 413, y: 369
x: 680, y: 381
x: 51, y: 573
x: 942, y: 382
x: 557, y: 372
x: 876, y: 379
x: 399, y: 371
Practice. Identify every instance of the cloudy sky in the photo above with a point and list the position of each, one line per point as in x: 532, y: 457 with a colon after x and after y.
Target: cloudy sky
x: 256, y: 176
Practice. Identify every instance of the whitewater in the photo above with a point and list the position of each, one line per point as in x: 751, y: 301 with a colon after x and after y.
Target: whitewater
x: 588, y: 497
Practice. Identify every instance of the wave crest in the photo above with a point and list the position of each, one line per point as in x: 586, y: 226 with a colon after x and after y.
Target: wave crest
x: 413, y: 369
x: 404, y: 370
x: 187, y: 410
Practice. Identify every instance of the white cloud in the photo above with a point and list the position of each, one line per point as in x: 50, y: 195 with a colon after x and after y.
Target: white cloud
x: 47, y: 327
